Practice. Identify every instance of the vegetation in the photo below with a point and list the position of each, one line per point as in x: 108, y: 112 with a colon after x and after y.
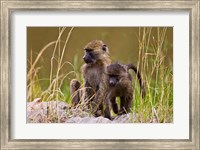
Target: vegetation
x: 157, y: 72
x: 158, y: 102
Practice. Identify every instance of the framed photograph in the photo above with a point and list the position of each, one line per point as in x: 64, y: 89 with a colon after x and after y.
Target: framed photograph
x: 100, y: 74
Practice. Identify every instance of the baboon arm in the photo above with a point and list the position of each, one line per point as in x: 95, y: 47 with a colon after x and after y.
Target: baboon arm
x: 126, y: 103
x: 114, y: 105
x: 87, y: 84
x: 107, y: 109
x: 96, y: 102
x: 99, y: 98
x: 88, y: 90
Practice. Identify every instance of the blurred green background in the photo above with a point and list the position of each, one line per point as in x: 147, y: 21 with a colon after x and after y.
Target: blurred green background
x: 122, y: 43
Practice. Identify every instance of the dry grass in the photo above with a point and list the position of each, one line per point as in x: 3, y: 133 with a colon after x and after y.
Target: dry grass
x: 55, y: 80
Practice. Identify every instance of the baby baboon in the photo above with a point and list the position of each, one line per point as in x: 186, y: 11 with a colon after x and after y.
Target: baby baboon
x: 75, y: 94
x: 96, y: 59
x: 120, y: 85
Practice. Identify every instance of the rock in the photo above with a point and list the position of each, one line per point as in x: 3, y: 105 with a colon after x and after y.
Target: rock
x: 39, y: 111
x: 88, y: 120
x: 126, y: 118
x: 73, y: 120
x: 102, y: 120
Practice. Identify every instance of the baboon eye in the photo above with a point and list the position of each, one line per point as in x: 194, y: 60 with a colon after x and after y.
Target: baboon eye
x: 115, y: 76
x: 88, y: 49
x: 104, y: 48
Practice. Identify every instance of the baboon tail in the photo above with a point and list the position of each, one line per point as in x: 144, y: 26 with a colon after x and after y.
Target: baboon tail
x: 135, y: 69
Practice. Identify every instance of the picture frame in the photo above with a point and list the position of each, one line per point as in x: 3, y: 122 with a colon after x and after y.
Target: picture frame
x: 8, y: 7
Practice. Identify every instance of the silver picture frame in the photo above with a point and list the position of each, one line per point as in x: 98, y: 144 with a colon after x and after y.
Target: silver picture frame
x: 192, y: 6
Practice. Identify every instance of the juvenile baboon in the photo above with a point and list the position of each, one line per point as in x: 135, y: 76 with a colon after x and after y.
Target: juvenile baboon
x: 75, y: 94
x: 96, y: 59
x: 119, y: 82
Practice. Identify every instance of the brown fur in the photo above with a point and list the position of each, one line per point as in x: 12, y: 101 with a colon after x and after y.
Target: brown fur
x: 120, y: 85
x: 96, y: 60
x: 75, y: 94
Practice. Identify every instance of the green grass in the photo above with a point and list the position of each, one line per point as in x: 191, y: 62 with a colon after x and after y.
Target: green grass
x: 158, y: 77
x: 157, y: 72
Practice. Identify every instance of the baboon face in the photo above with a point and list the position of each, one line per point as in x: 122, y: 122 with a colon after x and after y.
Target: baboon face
x: 113, y: 80
x: 94, y: 50
x: 115, y: 72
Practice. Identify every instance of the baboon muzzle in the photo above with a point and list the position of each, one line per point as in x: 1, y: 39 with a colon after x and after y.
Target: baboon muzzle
x: 112, y: 81
x: 87, y: 59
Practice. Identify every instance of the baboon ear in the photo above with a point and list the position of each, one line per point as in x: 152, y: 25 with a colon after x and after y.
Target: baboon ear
x: 104, y: 48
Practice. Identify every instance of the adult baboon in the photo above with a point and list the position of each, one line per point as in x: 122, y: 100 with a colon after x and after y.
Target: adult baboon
x: 119, y: 84
x: 96, y: 59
